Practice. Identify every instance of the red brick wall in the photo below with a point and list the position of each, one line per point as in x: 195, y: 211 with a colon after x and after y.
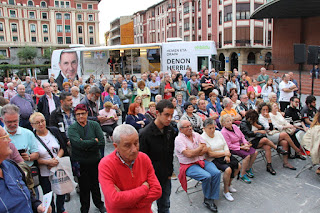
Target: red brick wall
x: 287, y: 32
x: 252, y: 69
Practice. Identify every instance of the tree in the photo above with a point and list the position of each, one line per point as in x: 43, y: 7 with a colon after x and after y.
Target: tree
x: 27, y: 54
x: 47, y: 53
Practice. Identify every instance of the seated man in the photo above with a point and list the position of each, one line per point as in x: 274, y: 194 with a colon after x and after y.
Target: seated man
x: 244, y: 106
x: 190, y: 149
x: 309, y: 110
x: 137, y: 193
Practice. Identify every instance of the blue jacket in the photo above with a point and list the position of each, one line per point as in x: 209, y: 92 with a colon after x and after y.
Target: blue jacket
x: 115, y: 101
x: 132, y: 120
x: 218, y: 105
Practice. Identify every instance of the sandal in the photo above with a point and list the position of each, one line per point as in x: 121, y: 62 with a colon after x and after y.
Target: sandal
x: 270, y: 169
x: 288, y: 166
x: 281, y: 151
x: 318, y: 171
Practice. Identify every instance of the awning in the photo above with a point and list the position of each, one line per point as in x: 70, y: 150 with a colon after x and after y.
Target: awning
x: 287, y: 9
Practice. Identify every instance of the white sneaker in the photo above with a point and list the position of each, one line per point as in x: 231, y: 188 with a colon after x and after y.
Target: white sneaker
x: 228, y: 196
x: 231, y: 189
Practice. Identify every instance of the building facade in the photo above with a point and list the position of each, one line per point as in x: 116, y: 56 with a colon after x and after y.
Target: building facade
x: 47, y: 23
x: 121, y: 31
x: 239, y: 40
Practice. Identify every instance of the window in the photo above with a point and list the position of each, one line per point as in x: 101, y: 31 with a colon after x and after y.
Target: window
x: 79, y: 29
x: 11, y: 2
x: 34, y: 39
x: 3, y: 52
x: 68, y: 40
x: 209, y: 3
x: 43, y: 4
x: 79, y: 6
x: 62, y: 4
x: 14, y: 27
x: 243, y: 15
x: 220, y: 18
x: 79, y: 17
x: 90, y: 17
x: 67, y: 4
x: 91, y: 40
x: 15, y: 38
x: 56, y: 3
x: 1, y: 26
x: 209, y: 20
x: 80, y: 40
x: 90, y: 29
x: 12, y: 13
x: 59, y: 28
x: 209, y: 37
x: 199, y: 23
x: 186, y: 25
x: 186, y: 7
x: 60, y: 40
x: 90, y: 7
x: 199, y: 5
x: 67, y: 29
x: 1, y: 39
x: 31, y: 14
x: 45, y: 28
x: 58, y: 16
x: 44, y: 15
x: 0, y: 13
x: 32, y: 28
x: 45, y: 39
x: 30, y: 3
x: 67, y: 16
x: 228, y: 17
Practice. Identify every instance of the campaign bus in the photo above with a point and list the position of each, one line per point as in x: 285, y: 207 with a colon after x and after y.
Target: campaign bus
x: 133, y: 59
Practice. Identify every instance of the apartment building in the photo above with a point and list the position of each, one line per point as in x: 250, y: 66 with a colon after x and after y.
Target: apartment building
x: 239, y: 40
x: 121, y: 31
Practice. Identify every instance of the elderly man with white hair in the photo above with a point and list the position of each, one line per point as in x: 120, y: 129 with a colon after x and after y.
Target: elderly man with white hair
x: 127, y: 177
x: 190, y: 149
x: 76, y: 96
x: 10, y: 92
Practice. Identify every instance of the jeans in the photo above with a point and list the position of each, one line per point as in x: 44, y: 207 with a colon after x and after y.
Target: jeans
x: 88, y: 182
x: 46, y: 187
x: 210, y: 177
x: 164, y: 201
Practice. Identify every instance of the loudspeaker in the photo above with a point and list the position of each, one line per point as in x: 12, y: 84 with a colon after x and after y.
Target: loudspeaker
x: 299, y: 53
x: 313, y: 54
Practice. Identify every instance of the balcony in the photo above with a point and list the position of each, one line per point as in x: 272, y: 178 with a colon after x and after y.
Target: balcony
x: 242, y: 43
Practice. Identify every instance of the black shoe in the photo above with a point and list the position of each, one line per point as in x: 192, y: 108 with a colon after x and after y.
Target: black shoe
x: 270, y: 169
x: 102, y: 209
x: 281, y: 151
x: 67, y: 197
x: 292, y: 156
x: 289, y: 167
x: 78, y: 189
x: 301, y: 157
x: 210, y: 205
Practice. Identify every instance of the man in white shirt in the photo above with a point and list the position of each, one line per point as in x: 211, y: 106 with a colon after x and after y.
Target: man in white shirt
x: 287, y: 89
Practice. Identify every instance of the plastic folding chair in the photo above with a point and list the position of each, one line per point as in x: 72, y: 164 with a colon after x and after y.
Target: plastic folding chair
x: 309, y: 165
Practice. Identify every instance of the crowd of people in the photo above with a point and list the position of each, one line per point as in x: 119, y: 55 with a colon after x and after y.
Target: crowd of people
x: 210, y: 120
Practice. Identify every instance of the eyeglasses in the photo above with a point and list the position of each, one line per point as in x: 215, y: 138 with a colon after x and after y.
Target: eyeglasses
x: 11, y: 122
x: 81, y: 114
x: 186, y: 127
x: 39, y: 122
x: 6, y: 137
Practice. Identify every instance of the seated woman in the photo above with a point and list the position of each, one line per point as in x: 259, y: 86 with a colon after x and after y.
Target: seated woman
x: 311, y: 140
x: 151, y: 113
x: 177, y: 114
x: 135, y: 118
x: 113, y: 98
x: 256, y: 134
x: 273, y: 134
x: 138, y: 100
x: 255, y: 88
x: 235, y: 100
x: 205, y: 113
x: 51, y: 146
x: 273, y: 99
x: 252, y: 99
x: 267, y: 89
x: 111, y: 118
x: 202, y: 96
x: 283, y: 125
x: 180, y: 101
x: 66, y: 87
x: 227, y: 104
x: 144, y: 93
x: 214, y: 102
x: 192, y: 117
x: 238, y: 145
x: 219, y: 154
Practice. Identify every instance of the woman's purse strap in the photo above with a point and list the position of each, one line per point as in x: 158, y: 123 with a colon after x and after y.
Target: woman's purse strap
x: 44, y: 145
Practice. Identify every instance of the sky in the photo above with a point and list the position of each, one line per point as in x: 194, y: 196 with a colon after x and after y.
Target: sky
x: 112, y: 9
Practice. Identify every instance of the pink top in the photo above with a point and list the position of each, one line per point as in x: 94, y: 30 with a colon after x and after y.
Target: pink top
x: 111, y: 113
x: 233, y: 139
x: 251, y: 89
x: 182, y: 142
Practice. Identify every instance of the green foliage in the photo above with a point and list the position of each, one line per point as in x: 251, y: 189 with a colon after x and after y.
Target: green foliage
x: 13, y: 66
x: 47, y: 53
x: 27, y: 54
x: 2, y: 57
